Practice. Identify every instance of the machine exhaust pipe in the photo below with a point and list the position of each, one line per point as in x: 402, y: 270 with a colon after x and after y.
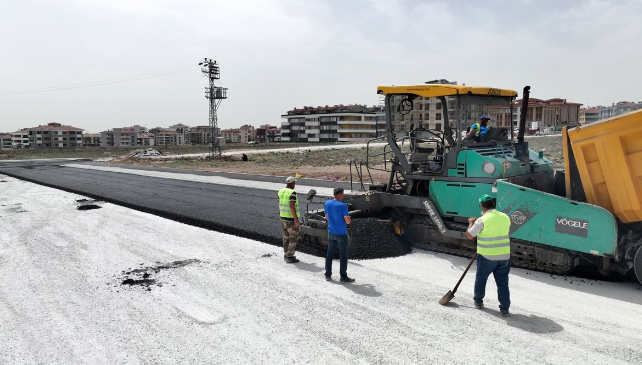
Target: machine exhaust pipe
x: 522, y: 117
x: 521, y: 147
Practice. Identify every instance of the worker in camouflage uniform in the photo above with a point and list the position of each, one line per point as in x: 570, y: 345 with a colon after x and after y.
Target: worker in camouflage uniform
x: 493, y: 252
x: 289, y: 212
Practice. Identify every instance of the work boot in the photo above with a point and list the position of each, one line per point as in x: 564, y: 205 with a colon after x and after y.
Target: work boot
x: 328, y: 277
x: 479, y: 305
x: 505, y: 314
x: 346, y: 279
x: 291, y: 259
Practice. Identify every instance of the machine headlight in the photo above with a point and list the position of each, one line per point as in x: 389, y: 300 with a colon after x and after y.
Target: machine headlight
x: 488, y: 168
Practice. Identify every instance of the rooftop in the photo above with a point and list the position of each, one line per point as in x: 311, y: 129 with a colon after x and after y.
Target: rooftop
x: 352, y: 108
x: 54, y: 127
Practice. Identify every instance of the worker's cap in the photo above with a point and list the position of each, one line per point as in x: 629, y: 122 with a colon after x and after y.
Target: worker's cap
x: 485, y: 198
x: 484, y: 117
x: 290, y: 179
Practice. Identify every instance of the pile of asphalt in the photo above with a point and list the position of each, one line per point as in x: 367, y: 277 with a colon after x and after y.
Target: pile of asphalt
x: 375, y: 239
x: 147, y: 276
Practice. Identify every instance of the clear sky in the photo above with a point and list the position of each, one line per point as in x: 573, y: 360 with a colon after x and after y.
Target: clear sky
x: 279, y: 54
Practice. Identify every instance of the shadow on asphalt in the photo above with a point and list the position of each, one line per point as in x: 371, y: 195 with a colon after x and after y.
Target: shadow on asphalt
x: 530, y: 323
x: 619, y: 287
x: 308, y: 267
x: 367, y: 290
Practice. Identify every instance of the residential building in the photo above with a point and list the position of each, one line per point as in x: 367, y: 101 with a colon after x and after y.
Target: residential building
x: 426, y: 113
x: 231, y: 135
x: 168, y: 138
x: 120, y: 137
x: 589, y: 115
x: 20, y: 139
x: 180, y: 128
x: 5, y: 141
x: 551, y: 113
x: 91, y: 140
x: 248, y: 133
x: 330, y: 124
x: 620, y: 108
x: 145, y: 139
x: 268, y: 133
x: 54, y: 135
x: 199, y: 135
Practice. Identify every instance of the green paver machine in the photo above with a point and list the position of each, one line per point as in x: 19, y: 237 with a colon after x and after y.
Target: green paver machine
x: 437, y: 174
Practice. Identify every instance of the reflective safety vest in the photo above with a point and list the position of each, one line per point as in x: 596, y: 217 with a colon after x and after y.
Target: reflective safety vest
x: 477, y: 129
x: 284, y: 203
x: 493, y: 242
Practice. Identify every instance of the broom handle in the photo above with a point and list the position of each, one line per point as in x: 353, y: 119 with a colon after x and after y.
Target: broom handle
x: 465, y: 271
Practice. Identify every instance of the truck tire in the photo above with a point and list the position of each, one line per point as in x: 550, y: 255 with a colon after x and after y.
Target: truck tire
x: 637, y: 264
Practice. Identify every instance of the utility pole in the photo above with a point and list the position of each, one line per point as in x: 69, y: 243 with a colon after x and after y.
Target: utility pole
x: 215, y: 94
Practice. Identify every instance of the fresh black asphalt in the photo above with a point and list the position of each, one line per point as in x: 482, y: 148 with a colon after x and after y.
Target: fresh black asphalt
x: 250, y: 213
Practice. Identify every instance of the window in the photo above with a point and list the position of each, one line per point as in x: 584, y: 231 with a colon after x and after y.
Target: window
x: 438, y: 126
x: 438, y: 105
x: 438, y: 116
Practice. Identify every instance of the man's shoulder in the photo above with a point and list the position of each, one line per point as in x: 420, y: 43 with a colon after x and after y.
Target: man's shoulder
x: 335, y: 203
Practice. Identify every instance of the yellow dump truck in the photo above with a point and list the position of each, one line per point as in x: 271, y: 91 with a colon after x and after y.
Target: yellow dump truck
x: 603, y: 165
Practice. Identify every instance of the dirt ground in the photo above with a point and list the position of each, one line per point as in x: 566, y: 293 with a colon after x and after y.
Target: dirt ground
x: 330, y: 164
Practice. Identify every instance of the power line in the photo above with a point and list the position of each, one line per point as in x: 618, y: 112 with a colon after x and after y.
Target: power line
x: 104, y: 82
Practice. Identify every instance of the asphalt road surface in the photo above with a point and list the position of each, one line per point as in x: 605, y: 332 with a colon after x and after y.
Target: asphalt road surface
x: 242, y: 211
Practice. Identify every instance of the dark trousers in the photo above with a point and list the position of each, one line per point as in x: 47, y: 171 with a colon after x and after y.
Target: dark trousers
x: 500, y: 270
x: 334, y: 241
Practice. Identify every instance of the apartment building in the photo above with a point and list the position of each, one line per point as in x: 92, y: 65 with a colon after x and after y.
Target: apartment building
x: 145, y: 139
x: 338, y: 123
x: 248, y: 133
x: 120, y: 137
x: 54, y: 135
x: 619, y: 108
x: 551, y: 113
x: 5, y: 141
x: 168, y: 138
x: 199, y: 135
x: 589, y: 115
x: 232, y: 135
x: 20, y: 139
x: 91, y: 140
x: 426, y: 113
x: 268, y: 133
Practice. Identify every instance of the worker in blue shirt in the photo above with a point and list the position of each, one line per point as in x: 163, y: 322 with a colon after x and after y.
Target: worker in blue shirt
x: 479, y: 129
x: 336, y: 213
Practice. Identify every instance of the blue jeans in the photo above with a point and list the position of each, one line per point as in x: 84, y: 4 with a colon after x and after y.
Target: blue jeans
x: 334, y: 241
x: 500, y: 270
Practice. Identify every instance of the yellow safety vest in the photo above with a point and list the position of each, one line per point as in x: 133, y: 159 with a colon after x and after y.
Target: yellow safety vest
x: 478, y: 129
x: 284, y: 203
x: 493, y: 242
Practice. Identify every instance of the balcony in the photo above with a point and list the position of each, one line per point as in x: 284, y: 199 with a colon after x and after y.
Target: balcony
x: 357, y: 122
x: 369, y: 131
x: 345, y: 139
x: 312, y: 131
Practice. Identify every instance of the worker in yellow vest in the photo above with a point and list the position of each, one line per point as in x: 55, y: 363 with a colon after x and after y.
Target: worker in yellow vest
x: 289, y: 212
x: 478, y: 129
x: 493, y: 252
